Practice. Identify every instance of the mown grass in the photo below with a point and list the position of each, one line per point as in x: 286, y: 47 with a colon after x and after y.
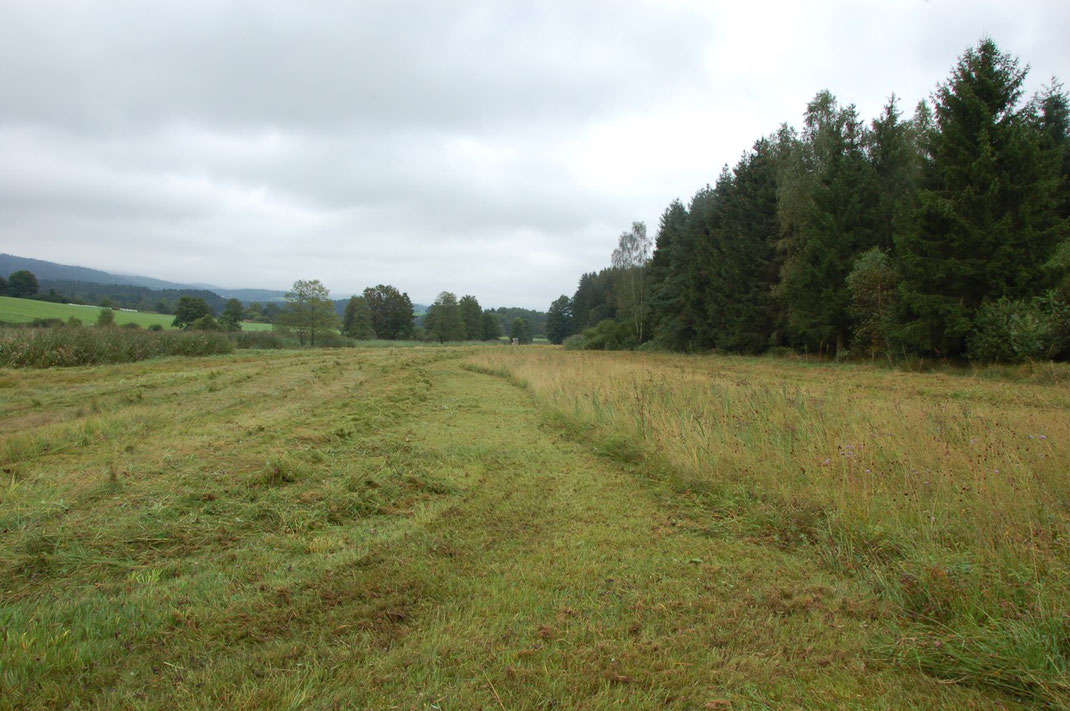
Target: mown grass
x: 14, y: 310
x: 383, y: 528
x: 946, y: 494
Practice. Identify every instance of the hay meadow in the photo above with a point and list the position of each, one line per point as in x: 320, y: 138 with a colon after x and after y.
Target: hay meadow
x: 490, y: 527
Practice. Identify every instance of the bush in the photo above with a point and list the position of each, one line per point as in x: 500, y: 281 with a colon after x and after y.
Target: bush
x: 44, y: 348
x: 263, y: 339
x: 330, y: 339
x: 105, y: 318
x: 574, y: 343
x: 156, y: 327
x: 1007, y: 331
x: 205, y: 323
x: 46, y: 323
x: 609, y: 335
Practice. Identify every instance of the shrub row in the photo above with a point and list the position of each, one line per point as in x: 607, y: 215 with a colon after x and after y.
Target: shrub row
x: 48, y: 347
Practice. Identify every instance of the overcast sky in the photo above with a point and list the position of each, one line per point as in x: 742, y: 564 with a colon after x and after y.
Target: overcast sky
x: 482, y: 147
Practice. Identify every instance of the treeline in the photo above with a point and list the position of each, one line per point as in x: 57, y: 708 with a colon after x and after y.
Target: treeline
x: 448, y: 319
x: 24, y: 284
x: 943, y: 235
x: 379, y: 312
x: 128, y: 296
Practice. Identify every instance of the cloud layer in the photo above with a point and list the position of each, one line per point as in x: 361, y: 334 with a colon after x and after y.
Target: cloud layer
x: 480, y: 147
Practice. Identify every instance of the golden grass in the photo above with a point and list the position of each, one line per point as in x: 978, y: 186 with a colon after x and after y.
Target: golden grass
x: 950, y: 493
x: 950, y: 459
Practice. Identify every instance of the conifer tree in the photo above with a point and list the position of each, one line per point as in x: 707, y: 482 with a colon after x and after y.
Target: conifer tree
x: 986, y: 222
x: 663, y: 282
x: 559, y: 320
x: 691, y: 327
x: 749, y: 264
x: 826, y: 213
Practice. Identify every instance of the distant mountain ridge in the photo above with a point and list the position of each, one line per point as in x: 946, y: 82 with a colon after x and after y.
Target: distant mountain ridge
x: 51, y: 271
x: 60, y: 276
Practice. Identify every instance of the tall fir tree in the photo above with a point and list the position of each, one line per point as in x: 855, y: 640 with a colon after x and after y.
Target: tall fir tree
x: 559, y: 320
x: 986, y: 222
x: 827, y: 219
x: 660, y: 271
x: 749, y: 266
x: 663, y: 281
x: 895, y: 155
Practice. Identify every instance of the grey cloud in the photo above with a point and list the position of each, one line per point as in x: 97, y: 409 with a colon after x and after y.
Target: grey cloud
x: 384, y: 64
x: 493, y: 148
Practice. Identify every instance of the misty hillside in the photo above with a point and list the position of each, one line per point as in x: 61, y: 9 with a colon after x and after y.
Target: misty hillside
x: 53, y: 272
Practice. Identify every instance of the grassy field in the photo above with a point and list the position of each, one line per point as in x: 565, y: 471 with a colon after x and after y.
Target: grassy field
x: 523, y: 528
x: 26, y: 310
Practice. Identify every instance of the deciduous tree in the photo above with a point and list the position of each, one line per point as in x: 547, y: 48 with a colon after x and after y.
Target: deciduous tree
x: 309, y: 310
x: 630, y: 259
x: 188, y: 310
x: 444, y: 321
x: 520, y: 330
x: 22, y: 284
x: 492, y: 331
x: 472, y: 315
x: 230, y: 320
x: 357, y: 321
x: 391, y: 312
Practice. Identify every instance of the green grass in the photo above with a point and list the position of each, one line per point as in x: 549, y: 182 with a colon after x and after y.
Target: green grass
x: 26, y: 310
x: 397, y: 528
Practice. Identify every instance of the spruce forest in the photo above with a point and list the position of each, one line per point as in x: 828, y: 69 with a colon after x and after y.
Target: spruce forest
x: 942, y: 235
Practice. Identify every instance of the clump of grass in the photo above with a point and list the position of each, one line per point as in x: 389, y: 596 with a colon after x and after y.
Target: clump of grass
x: 282, y: 469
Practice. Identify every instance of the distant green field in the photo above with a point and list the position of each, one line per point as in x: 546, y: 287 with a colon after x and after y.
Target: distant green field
x: 26, y: 310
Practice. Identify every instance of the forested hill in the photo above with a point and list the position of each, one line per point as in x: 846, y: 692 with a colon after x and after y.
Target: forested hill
x: 62, y: 272
x: 129, y: 296
x: 66, y: 274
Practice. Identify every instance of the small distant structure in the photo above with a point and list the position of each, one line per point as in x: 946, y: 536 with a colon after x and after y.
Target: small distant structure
x: 515, y: 342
